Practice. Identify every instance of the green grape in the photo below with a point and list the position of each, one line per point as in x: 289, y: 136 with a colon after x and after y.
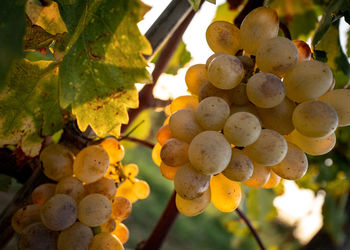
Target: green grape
x: 278, y: 118
x: 43, y: 192
x: 209, y: 152
x: 265, y: 90
x: 339, y: 99
x: 183, y: 125
x: 193, y: 207
x: 106, y: 241
x: 277, y: 55
x: 223, y: 36
x: 190, y: 184
x: 174, y: 152
x: 269, y: 149
x: 240, y: 167
x: 94, y: 210
x: 70, y: 186
x: 105, y: 186
x: 76, y: 237
x: 225, y: 71
x: 225, y: 194
x: 311, y: 145
x: 59, y: 212
x: 242, y: 129
x: 208, y: 89
x: 24, y: 217
x: 260, y: 176
x: 315, y: 119
x: 238, y: 95
x: 307, y: 80
x: 57, y: 161
x: 212, y: 113
x: 37, y: 237
x: 294, y: 165
x: 195, y: 77
x: 91, y: 164
x: 121, y: 208
x: 259, y: 25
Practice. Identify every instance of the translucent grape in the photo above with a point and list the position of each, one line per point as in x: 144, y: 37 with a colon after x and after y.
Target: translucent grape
x: 190, y: 184
x: 174, y: 152
x: 311, y: 145
x: 183, y: 125
x: 130, y: 170
x: 265, y: 90
x: 43, y: 192
x: 193, y: 207
x: 122, y: 233
x: 59, y: 212
x: 211, y: 58
x: 278, y: 118
x: 141, y: 189
x: 277, y: 55
x: 94, y: 210
x: 212, y: 113
x: 195, y: 77
x: 273, y: 181
x: 121, y: 208
x: 225, y: 71
x: 114, y: 149
x: 76, y: 237
x: 307, y: 80
x: 242, y: 129
x: 72, y: 187
x: 294, y: 165
x: 240, y: 167
x: 184, y: 102
x: 304, y: 51
x: 104, y: 186
x: 164, y: 134
x: 106, y: 241
x: 24, y: 217
x: 259, y: 25
x: 225, y: 194
x: 91, y: 164
x: 109, y: 226
x: 209, y: 89
x: 223, y: 36
x: 57, y: 161
x: 168, y: 171
x: 156, y: 154
x: 37, y: 237
x: 315, y: 119
x: 126, y: 189
x: 209, y: 152
x: 269, y: 149
x: 339, y: 99
x: 260, y: 176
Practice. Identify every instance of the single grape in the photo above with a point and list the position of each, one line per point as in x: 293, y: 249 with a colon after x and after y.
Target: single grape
x: 121, y: 208
x: 127, y: 190
x: 130, y: 170
x: 209, y: 89
x: 104, y: 186
x: 106, y: 241
x: 164, y: 134
x: 240, y: 167
x: 174, y: 152
x: 193, y: 207
x: 141, y: 189
x: 76, y: 237
x: 43, y: 192
x: 156, y: 154
x: 273, y: 181
x: 94, y: 210
x: 211, y: 58
x: 260, y: 176
x: 195, y: 77
x: 109, y: 226
x: 122, y: 232
x: 304, y: 51
x: 37, y: 237
x: 72, y: 187
x: 24, y: 217
x: 168, y: 171
x: 184, y: 102
x: 114, y: 149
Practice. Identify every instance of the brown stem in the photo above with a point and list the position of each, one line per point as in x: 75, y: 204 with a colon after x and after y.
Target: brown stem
x: 162, y: 228
x: 252, y: 4
x: 137, y: 140
x: 285, y: 30
x: 251, y: 228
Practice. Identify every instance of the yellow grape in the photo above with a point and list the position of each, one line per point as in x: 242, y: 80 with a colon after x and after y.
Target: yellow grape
x: 24, y: 217
x: 193, y: 207
x: 76, y: 237
x: 94, y: 210
x: 293, y: 166
x: 260, y: 176
x: 122, y: 233
x: 106, y: 241
x: 240, y: 167
x: 121, y: 208
x: 184, y: 102
x: 273, y: 181
x: 141, y: 189
x: 304, y: 51
x: 166, y: 121
x: 168, y: 171
x: 43, y: 192
x: 105, y: 186
x: 225, y: 194
x: 130, y: 170
x: 195, y: 77
x: 156, y: 154
x: 72, y: 187
x: 126, y: 189
x: 164, y: 134
x: 223, y: 36
x: 109, y: 226
x: 311, y: 145
x: 114, y: 149
x: 259, y: 25
x: 174, y: 152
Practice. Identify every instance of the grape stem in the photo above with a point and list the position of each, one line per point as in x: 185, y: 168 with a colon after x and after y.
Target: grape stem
x: 137, y: 140
x: 251, y: 228
x: 285, y: 30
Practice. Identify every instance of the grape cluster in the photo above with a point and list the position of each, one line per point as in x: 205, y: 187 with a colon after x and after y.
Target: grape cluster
x: 85, y: 208
x: 256, y: 107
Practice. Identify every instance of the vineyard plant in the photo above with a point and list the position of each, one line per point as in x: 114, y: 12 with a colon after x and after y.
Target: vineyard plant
x: 255, y: 155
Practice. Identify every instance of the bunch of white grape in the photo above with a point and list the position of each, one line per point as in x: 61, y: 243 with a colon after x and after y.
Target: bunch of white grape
x: 83, y: 209
x: 249, y: 119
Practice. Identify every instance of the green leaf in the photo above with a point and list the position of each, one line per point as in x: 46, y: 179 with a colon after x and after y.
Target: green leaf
x: 103, y: 61
x: 348, y: 44
x: 5, y: 182
x: 332, y: 13
x: 29, y: 105
x: 195, y: 3
x: 224, y: 13
x: 12, y: 29
x: 336, y: 59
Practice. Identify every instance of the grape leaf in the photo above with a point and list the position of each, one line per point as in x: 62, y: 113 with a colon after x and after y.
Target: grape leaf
x: 224, y: 13
x: 12, y: 29
x: 195, y: 3
x: 103, y: 61
x: 348, y: 44
x: 29, y: 105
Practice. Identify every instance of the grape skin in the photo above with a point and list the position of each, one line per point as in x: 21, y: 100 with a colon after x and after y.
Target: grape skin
x: 94, y: 210
x: 240, y: 167
x: 195, y: 77
x: 193, y: 207
x: 174, y: 152
x: 121, y: 208
x: 24, y: 217
x: 76, y: 237
x: 104, y: 186
x: 43, y: 192
x: 260, y: 176
x: 37, y: 237
x: 72, y: 187
x: 106, y: 241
